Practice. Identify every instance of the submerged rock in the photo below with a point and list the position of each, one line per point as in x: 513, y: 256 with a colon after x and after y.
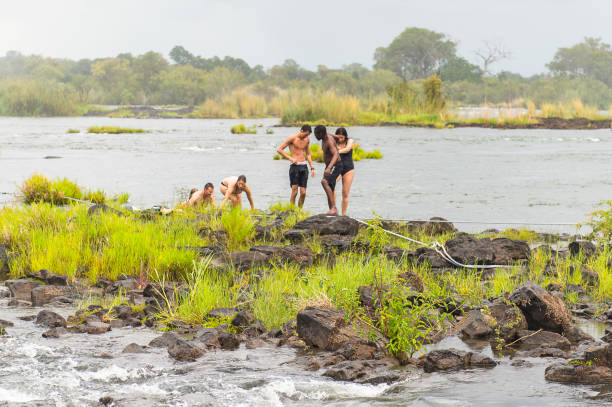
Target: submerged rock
x: 56, y: 332
x: 50, y: 319
x: 453, y: 359
x: 322, y: 225
x: 134, y: 348
x: 166, y: 340
x: 541, y: 309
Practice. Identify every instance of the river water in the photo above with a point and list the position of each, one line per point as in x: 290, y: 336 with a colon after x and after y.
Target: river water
x: 531, y: 176
x: 69, y: 371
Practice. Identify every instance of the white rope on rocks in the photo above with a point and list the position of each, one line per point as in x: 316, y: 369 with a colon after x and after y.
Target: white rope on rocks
x: 438, y: 248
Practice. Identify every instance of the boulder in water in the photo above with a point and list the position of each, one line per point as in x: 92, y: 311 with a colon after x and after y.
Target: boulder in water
x: 50, y: 319
x: 21, y: 289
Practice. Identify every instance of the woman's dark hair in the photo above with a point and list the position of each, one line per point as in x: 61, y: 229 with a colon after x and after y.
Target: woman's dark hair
x: 241, y: 178
x: 193, y: 191
x: 307, y: 128
x: 341, y: 131
x: 209, y: 185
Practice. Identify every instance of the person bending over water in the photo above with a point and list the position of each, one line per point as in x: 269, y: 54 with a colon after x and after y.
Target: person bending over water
x: 345, y: 149
x: 333, y: 166
x: 204, y: 197
x: 232, y: 188
x: 300, y: 160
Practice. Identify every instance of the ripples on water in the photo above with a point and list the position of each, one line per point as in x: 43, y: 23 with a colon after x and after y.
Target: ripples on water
x: 69, y: 372
x: 465, y: 174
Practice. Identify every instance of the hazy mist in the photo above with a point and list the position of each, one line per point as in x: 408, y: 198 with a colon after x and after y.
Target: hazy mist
x: 312, y: 32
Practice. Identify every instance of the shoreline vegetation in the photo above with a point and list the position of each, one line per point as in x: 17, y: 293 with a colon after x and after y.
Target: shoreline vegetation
x: 267, y: 266
x: 407, y: 86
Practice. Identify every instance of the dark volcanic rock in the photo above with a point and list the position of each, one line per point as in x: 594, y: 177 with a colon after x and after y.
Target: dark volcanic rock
x: 317, y: 326
x: 467, y: 249
x: 584, y: 246
x: 97, y: 328
x: 134, y: 348
x: 49, y: 277
x: 453, y: 359
x: 323, y: 225
x: 544, y: 339
x: 243, y: 319
x: 363, y: 371
x: 437, y: 226
x: 228, y: 341
x: 45, y: 294
x: 510, y: 320
x: 21, y: 289
x: 425, y: 255
x: 477, y: 325
x: 50, y: 319
x: 541, y: 309
x: 167, y: 339
x: 56, y: 332
x: 247, y: 260
x: 184, y: 351
x: 578, y: 373
x: 339, y: 244
x: 158, y: 293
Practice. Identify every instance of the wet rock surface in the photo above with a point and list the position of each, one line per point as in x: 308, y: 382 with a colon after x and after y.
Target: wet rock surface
x: 541, y: 309
x: 453, y: 359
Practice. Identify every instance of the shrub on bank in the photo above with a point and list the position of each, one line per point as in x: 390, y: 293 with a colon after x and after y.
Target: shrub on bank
x: 59, y: 191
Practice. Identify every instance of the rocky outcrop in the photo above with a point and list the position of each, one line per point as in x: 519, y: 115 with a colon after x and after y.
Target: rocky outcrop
x: 21, y: 289
x: 327, y: 329
x: 48, y: 277
x: 184, y: 351
x: 468, y: 249
x: 477, y: 325
x: 45, y: 294
x: 595, y: 367
x: 543, y: 339
x: 363, y: 371
x: 582, y: 246
x: 453, y: 359
x: 322, y: 225
x: 541, y: 309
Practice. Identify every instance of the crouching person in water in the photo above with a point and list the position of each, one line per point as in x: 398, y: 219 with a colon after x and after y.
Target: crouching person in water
x: 204, y: 197
x: 232, y: 189
x: 300, y: 161
x: 333, y: 166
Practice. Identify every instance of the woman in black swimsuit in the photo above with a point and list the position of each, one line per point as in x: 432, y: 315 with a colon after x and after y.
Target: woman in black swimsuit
x: 345, y: 148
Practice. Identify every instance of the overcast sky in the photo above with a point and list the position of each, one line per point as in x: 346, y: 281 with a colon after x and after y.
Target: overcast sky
x: 312, y: 32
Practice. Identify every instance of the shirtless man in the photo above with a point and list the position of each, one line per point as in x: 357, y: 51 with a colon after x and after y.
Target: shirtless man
x: 232, y: 188
x: 333, y: 165
x: 300, y: 153
x: 204, y: 197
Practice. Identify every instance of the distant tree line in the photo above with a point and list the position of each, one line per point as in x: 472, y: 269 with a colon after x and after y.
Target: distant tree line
x: 50, y: 86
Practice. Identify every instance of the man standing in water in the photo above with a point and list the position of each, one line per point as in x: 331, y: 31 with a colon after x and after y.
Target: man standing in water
x: 333, y: 166
x: 300, y: 158
x: 232, y: 189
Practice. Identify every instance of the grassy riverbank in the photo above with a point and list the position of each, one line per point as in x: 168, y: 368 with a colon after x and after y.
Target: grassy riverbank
x: 189, y: 248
